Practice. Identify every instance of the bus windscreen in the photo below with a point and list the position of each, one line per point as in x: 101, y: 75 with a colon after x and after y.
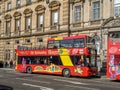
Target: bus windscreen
x: 114, y: 36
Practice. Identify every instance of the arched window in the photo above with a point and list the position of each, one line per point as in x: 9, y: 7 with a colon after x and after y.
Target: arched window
x: 8, y: 24
x: 55, y: 8
x: 7, y: 54
x: 28, y: 19
x: 96, y: 41
x: 40, y: 9
x: 17, y: 16
x: 14, y: 54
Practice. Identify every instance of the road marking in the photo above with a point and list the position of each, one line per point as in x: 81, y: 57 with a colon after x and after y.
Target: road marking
x: 73, y: 82
x: 33, y: 80
x: 81, y: 87
x: 41, y: 87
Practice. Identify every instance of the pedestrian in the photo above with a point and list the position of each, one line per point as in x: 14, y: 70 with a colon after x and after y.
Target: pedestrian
x: 6, y: 64
x: 23, y: 64
x: 11, y: 63
x: 14, y: 64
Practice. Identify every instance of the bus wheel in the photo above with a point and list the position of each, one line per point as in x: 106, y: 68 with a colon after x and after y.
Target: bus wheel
x: 66, y: 73
x: 29, y: 70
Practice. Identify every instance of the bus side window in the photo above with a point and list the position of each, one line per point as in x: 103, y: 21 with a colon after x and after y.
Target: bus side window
x: 55, y: 46
x: 45, y: 60
x: 49, y: 61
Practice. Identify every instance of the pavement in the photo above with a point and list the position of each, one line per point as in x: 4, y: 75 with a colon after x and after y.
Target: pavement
x: 7, y: 69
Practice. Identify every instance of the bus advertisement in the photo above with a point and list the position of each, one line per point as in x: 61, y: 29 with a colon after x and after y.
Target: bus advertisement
x: 67, y: 56
x: 113, y: 56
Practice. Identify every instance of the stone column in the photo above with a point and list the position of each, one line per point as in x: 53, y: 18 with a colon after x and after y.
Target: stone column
x: 111, y: 8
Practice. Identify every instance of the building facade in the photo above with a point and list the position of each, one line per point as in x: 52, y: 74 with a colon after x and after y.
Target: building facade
x: 32, y: 22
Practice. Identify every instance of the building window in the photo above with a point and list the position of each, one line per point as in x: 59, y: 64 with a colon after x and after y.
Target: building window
x: 7, y: 55
x: 55, y: 18
x: 28, y: 1
x: 9, y: 6
x: 28, y: 22
x: 7, y: 42
x: 77, y: 14
x: 116, y: 7
x: 27, y: 41
x: 96, y: 10
x: 16, y: 41
x: 17, y: 25
x: 39, y: 40
x: 40, y: 21
x: 28, y: 18
x: 96, y: 41
x: 14, y: 54
x: 8, y: 27
x: 40, y: 10
x: 18, y: 3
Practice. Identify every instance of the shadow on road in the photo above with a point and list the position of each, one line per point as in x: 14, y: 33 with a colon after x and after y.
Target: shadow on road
x: 117, y: 81
x: 3, y: 87
x: 102, y: 74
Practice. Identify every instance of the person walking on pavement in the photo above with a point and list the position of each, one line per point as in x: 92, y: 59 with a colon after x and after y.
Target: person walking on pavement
x: 11, y: 63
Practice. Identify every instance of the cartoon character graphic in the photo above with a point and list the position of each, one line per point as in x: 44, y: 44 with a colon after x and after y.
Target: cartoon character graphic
x: 112, y: 68
x: 78, y: 70
x: 53, y: 68
x: 23, y: 64
x: 117, y: 65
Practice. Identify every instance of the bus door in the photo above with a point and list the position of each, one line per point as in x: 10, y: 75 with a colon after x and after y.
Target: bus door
x: 86, y: 65
x: 81, y: 65
x: 93, y: 62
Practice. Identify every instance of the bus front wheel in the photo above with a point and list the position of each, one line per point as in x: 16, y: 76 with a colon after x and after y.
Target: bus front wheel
x: 29, y: 70
x: 66, y: 73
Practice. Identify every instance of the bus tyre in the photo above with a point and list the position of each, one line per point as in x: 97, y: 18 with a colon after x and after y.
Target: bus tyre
x: 29, y: 70
x: 66, y: 73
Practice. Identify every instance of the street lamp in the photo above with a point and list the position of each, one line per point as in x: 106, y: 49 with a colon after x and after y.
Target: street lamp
x: 69, y: 32
x: 101, y: 37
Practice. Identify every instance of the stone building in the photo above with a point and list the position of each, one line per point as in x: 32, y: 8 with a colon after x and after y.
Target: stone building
x: 32, y: 22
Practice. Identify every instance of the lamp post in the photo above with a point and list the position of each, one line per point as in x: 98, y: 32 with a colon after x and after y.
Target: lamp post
x: 101, y: 37
x: 69, y: 31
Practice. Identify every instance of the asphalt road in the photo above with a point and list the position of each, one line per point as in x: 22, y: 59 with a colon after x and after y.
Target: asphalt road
x: 23, y: 81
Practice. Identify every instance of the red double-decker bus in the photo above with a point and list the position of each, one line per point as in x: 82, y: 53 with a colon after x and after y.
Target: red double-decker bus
x: 113, y: 55
x: 67, y: 56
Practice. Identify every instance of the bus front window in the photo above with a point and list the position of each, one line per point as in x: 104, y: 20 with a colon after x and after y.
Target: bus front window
x: 78, y: 43
x: 114, y: 36
x: 66, y: 43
